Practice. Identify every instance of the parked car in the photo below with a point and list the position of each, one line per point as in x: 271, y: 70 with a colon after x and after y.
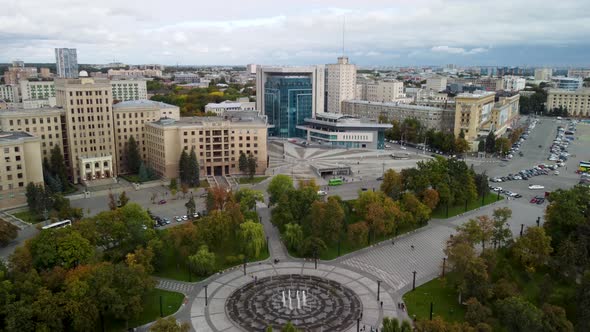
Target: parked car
x: 178, y: 219
x: 536, y: 187
x: 322, y: 193
x: 162, y: 201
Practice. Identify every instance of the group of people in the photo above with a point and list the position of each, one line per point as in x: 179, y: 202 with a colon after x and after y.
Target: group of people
x: 401, y: 306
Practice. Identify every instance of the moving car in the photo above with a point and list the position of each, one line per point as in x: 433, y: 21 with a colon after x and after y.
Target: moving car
x: 536, y: 187
x: 162, y: 201
x: 322, y: 193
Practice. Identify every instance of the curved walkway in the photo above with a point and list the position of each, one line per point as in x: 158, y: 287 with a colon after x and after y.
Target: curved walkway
x: 391, y: 263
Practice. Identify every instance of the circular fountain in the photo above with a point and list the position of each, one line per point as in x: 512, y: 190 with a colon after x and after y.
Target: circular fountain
x: 310, y: 303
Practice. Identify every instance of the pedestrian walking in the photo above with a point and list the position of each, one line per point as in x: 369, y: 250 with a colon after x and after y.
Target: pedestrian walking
x: 412, y: 246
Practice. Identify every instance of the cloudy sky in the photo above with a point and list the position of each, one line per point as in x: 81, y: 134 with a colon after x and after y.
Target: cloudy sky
x: 378, y: 32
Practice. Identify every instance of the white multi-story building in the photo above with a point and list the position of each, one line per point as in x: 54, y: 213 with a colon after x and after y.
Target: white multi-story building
x: 568, y: 83
x: 66, y: 61
x: 341, y: 84
x: 513, y: 83
x: 134, y: 73
x: 577, y: 102
x: 543, y: 74
x: 34, y: 90
x: 382, y: 91
x: 9, y: 93
x: 251, y: 68
x: 438, y: 83
x: 242, y: 104
x: 124, y: 90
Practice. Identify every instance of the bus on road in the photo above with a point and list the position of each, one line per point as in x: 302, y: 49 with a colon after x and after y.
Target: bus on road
x: 584, y: 166
x: 59, y: 224
x: 335, y: 182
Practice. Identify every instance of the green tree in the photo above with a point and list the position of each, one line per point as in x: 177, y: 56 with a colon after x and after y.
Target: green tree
x: 461, y: 145
x: 132, y: 155
x: 502, y: 145
x: 293, y: 236
x: 63, y: 247
x: 289, y: 327
x: 252, y: 164
x: 169, y: 324
x: 392, y: 184
x: 555, y: 319
x: 184, y: 167
x: 501, y: 232
x: 477, y: 312
x: 567, y: 211
x: 583, y: 303
x: 533, y: 248
x: 280, y: 185
x: 173, y: 184
x: 143, y: 173
x: 243, y: 163
x: 203, y: 262
x: 123, y: 199
x: 8, y: 232
x: 58, y: 166
x: 252, y: 238
x: 517, y: 314
x: 193, y: 167
x: 247, y: 198
x: 190, y: 206
x: 491, y: 143
x: 481, y: 146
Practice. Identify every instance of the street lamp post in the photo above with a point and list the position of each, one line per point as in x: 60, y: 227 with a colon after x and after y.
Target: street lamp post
x: 378, y: 289
x: 206, y: 302
x: 414, y: 281
x: 245, y: 261
x: 339, y: 246
x: 315, y: 258
x: 444, y: 266
x: 538, y: 221
x: 521, y: 229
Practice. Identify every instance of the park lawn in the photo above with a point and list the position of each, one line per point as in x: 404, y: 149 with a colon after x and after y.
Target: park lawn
x: 254, y: 180
x: 441, y: 211
x: 444, y: 297
x: 176, y: 268
x: 171, y: 301
x: 26, y: 216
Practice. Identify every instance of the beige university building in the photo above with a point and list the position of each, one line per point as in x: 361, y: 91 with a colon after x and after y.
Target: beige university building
x: 92, y: 133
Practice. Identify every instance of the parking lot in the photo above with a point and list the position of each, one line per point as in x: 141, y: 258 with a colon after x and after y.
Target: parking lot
x: 544, y: 133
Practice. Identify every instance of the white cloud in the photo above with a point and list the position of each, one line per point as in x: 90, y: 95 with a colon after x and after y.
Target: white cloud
x: 267, y: 31
x: 458, y: 50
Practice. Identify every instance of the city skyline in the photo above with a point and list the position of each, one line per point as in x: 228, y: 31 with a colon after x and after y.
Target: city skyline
x: 426, y: 32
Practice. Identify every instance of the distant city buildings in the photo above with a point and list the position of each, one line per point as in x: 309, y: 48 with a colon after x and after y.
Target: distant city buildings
x: 582, y: 73
x: 438, y: 83
x: 18, y: 72
x: 37, y: 89
x: 543, y: 74
x: 134, y: 73
x: 129, y: 89
x: 341, y: 84
x: 381, y: 91
x: 289, y: 95
x: 66, y: 62
x: 576, y: 102
x: 9, y: 93
x: 251, y: 68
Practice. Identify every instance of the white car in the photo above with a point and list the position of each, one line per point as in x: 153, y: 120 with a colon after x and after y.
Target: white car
x: 556, y: 173
x: 387, y: 146
x: 536, y: 187
x: 497, y: 188
x: 403, y: 147
x: 322, y: 193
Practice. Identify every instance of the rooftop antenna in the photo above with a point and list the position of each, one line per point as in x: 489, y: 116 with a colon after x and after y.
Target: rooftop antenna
x: 343, y: 32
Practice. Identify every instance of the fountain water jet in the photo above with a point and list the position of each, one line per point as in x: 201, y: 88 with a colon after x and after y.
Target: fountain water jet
x: 284, y: 303
x: 304, y: 301
x: 298, y: 301
x: 290, y: 306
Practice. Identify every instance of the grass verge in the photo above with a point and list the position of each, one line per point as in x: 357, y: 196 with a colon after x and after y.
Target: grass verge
x: 26, y: 216
x: 254, y: 180
x: 441, y: 211
x: 444, y: 299
x: 171, y: 301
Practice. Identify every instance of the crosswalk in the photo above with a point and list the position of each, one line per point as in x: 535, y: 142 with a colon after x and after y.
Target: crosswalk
x: 175, y: 286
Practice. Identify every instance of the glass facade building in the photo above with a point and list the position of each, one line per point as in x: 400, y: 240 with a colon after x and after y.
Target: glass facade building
x: 288, y: 100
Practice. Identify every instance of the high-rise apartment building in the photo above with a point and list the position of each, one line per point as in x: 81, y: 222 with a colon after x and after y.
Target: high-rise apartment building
x: 382, y: 91
x: 288, y: 95
x: 9, y: 93
x: 133, y: 89
x: 341, y: 84
x: 583, y: 73
x: 66, y: 62
x: 438, y: 83
x: 89, y: 147
x: 513, y: 83
x: 37, y: 89
x: 543, y: 74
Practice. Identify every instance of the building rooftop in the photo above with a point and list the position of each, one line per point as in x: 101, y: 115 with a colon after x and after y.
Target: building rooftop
x: 242, y: 117
x: 346, y: 121
x: 476, y: 94
x: 142, y: 103
x: 10, y: 136
x: 224, y: 104
x: 394, y: 104
x: 29, y: 111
